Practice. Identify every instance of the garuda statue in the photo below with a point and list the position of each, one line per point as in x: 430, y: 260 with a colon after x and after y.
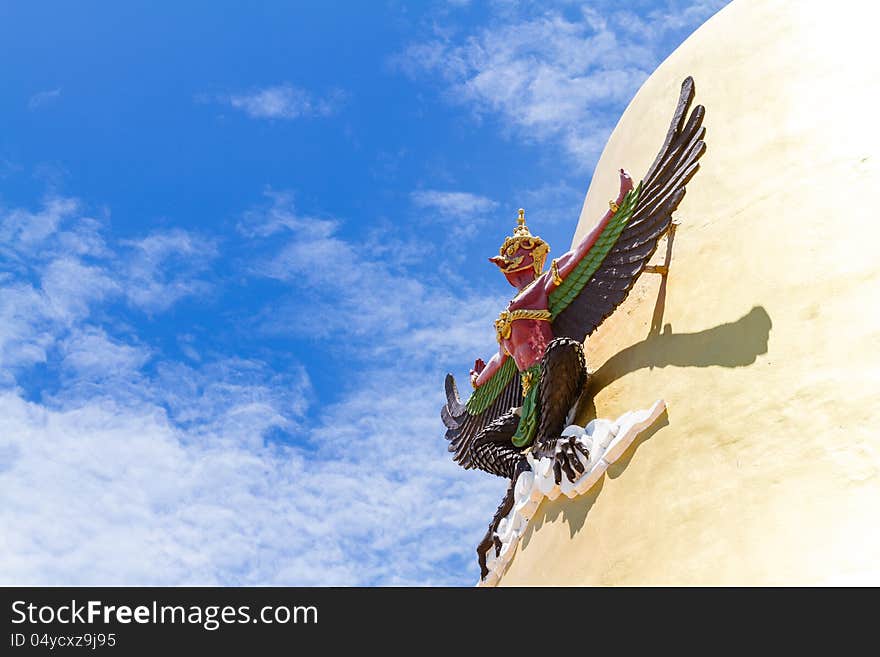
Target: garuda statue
x: 523, y: 395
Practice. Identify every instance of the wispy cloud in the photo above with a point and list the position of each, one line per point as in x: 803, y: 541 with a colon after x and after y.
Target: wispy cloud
x: 20, y: 227
x: 279, y: 215
x: 163, y: 267
x: 355, y: 288
x: 44, y: 98
x: 284, y: 101
x: 59, y: 268
x: 458, y: 205
x: 154, y: 471
x: 127, y: 496
x: 147, y: 470
x: 90, y: 353
x: 397, y: 328
x: 553, y: 74
x: 462, y: 213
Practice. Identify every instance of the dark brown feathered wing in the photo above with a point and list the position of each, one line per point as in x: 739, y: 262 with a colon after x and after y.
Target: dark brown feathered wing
x: 464, y: 421
x: 658, y: 197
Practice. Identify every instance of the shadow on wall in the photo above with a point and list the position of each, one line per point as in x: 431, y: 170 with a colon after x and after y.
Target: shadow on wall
x: 735, y: 344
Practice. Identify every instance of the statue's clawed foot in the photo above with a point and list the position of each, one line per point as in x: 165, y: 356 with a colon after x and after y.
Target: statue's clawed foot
x: 569, y: 457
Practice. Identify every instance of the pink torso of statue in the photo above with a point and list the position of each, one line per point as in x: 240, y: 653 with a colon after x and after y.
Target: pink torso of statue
x: 522, y: 337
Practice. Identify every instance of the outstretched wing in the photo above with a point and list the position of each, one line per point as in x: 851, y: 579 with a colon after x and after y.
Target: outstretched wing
x: 605, y: 275
x: 495, y: 397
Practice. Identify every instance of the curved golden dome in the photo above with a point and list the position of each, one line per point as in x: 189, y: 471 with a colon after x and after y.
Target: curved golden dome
x: 764, y: 340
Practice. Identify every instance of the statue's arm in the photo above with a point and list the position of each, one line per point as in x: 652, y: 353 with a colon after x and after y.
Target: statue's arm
x: 569, y: 260
x: 482, y: 372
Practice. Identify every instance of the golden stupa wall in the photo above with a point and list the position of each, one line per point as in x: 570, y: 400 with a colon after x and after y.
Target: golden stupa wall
x: 768, y: 351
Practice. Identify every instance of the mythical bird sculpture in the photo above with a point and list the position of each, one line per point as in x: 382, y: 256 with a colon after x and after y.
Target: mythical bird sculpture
x: 523, y: 395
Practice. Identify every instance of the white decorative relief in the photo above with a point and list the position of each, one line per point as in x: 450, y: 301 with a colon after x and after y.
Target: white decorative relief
x: 606, y: 441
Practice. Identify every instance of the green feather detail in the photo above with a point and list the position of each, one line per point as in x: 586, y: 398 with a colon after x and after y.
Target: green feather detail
x: 528, y: 419
x: 577, y: 279
x: 484, y: 395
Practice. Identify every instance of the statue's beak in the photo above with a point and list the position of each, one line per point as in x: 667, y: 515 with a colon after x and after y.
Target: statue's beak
x: 498, y: 260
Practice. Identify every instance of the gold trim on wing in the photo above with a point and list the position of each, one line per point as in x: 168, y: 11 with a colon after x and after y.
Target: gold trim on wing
x: 554, y: 272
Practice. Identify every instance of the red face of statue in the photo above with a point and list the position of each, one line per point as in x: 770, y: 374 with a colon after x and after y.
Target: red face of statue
x: 519, y: 268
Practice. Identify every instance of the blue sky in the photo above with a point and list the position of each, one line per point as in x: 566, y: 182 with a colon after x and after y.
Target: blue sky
x: 241, y: 246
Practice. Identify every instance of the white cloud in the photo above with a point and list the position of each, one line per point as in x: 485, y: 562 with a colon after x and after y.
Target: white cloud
x: 124, y: 497
x: 71, y: 287
x: 462, y: 213
x: 163, y: 267
x: 459, y: 205
x: 122, y: 473
x: 59, y: 268
x: 233, y: 396
x: 33, y: 318
x: 92, y: 354
x: 55, y: 242
x: 284, y: 101
x: 348, y: 287
x: 25, y: 329
x: 550, y: 75
x: 279, y: 216
x: 21, y: 228
x: 136, y: 468
x: 44, y: 98
x: 127, y: 497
